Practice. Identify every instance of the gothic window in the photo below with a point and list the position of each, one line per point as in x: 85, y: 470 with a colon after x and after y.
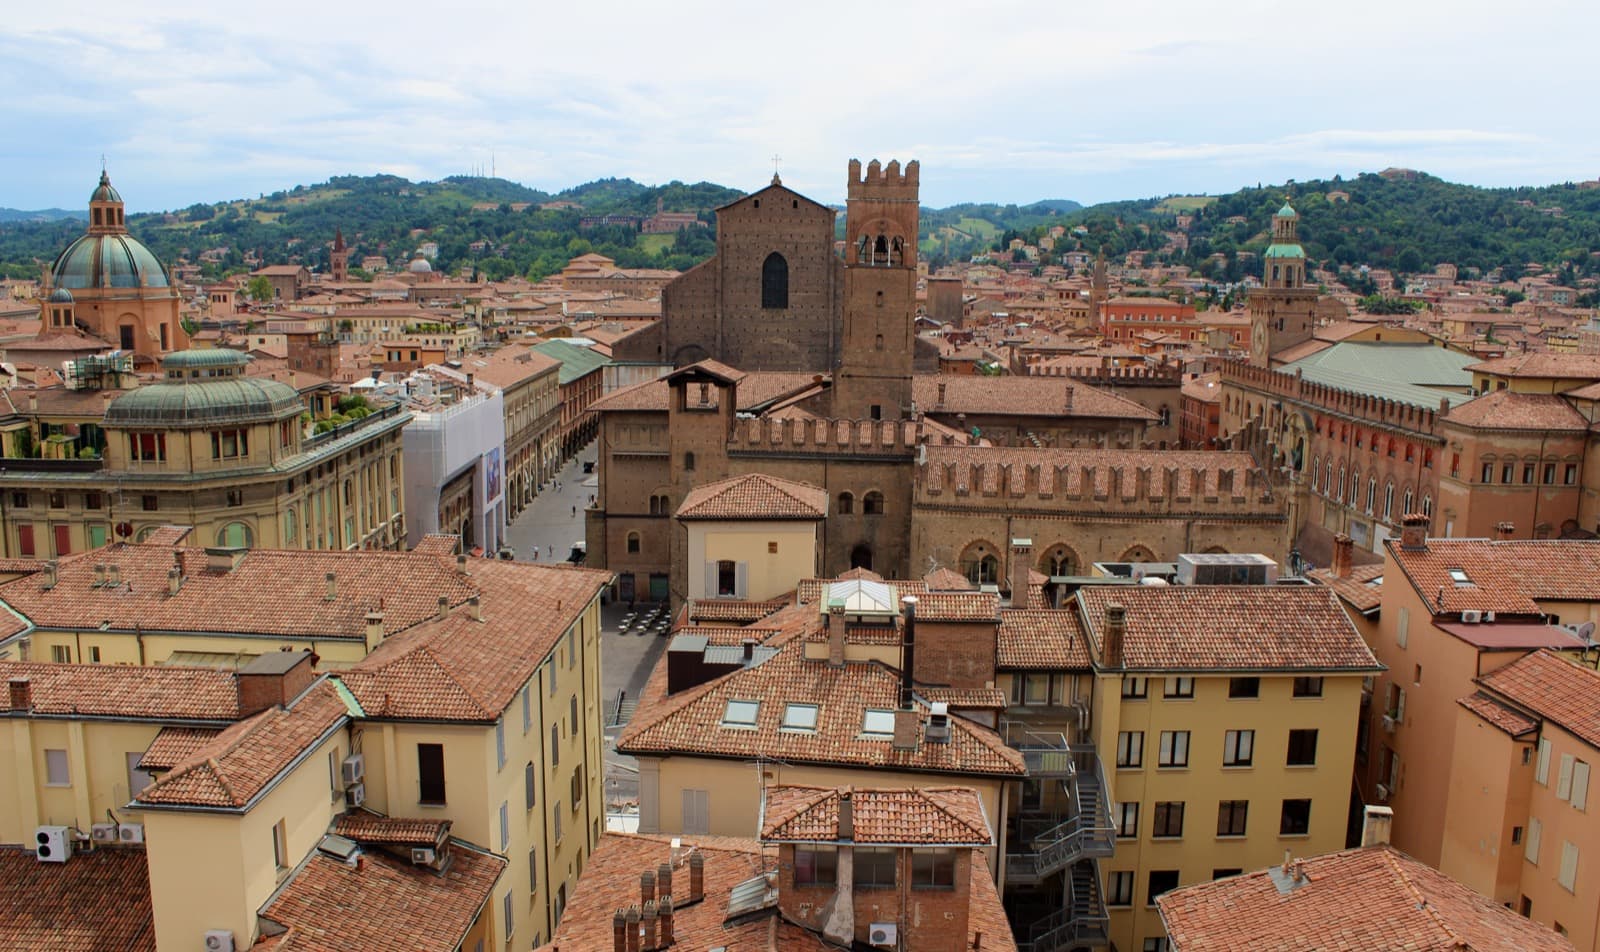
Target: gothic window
x: 872, y: 503
x: 896, y: 252
x: 847, y: 504
x: 775, y: 282
x: 880, y: 251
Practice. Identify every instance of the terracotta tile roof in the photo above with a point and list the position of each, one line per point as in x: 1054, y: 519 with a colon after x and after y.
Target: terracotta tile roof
x: 755, y: 496
x: 365, y: 827
x: 1371, y: 898
x: 731, y: 610
x: 439, y: 544
x: 1546, y: 684
x: 958, y: 606
x: 943, y: 579
x: 1362, y: 589
x: 901, y: 816
x: 690, y: 722
x: 116, y: 690
x: 174, y: 745
x: 383, y: 904
x: 20, y: 566
x: 270, y: 592
x: 756, y: 389
x: 964, y: 698
x: 509, y: 366
x: 610, y: 882
x: 1509, y: 576
x: 860, y: 573
x: 1511, y: 410
x: 1508, y: 719
x: 456, y: 668
x: 988, y: 927
x: 1228, y: 628
x: 1542, y: 364
x: 239, y: 763
x: 1012, y: 396
x: 93, y: 902
x: 168, y: 535
x: 1044, y: 640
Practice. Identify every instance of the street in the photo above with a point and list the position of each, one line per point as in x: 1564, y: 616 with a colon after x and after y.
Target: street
x: 552, y: 522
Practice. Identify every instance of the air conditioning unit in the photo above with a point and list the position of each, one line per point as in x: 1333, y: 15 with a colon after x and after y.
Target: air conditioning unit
x: 52, y: 844
x: 219, y: 940
x: 1382, y: 791
x: 938, y: 730
x: 355, y: 795
x: 423, y: 855
x: 103, y: 834
x: 885, y: 934
x: 354, y: 769
x: 1471, y: 617
x: 1488, y: 618
x: 130, y: 833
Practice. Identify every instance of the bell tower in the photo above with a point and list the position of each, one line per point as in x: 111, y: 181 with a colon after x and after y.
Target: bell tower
x: 339, y: 263
x: 880, y: 287
x: 1283, y: 310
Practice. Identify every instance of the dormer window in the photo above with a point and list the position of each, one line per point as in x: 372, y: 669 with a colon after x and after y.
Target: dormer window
x: 741, y: 714
x: 800, y: 717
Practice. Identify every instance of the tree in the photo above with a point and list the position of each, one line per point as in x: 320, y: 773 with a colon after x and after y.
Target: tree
x: 259, y: 289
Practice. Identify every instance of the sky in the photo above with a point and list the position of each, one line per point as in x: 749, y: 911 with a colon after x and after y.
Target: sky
x: 1000, y: 101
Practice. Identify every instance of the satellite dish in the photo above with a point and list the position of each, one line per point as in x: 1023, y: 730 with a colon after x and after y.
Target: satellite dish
x: 1585, y: 632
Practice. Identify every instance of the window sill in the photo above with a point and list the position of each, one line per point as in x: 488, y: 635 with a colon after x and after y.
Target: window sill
x: 1177, y: 697
x: 1238, y: 766
x: 432, y: 804
x: 1232, y: 837
x: 1172, y: 768
x: 1299, y: 766
x: 1294, y: 836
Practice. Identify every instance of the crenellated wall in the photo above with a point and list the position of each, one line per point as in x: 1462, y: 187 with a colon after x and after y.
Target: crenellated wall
x: 1128, y: 481
x: 1362, y: 406
x: 825, y: 437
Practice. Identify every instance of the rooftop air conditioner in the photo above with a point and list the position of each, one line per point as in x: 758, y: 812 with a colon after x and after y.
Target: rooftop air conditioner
x: 103, y: 834
x: 423, y: 855
x: 130, y: 833
x: 355, y: 795
x: 885, y: 934
x: 1382, y: 791
x: 354, y: 769
x: 51, y: 844
x: 1388, y: 723
x: 1471, y: 617
x: 219, y: 940
x: 938, y: 730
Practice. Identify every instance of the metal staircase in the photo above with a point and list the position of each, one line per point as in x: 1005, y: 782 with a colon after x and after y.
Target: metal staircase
x: 1050, y: 848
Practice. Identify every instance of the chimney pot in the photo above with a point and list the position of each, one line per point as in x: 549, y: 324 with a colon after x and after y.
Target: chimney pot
x: 697, y: 877
x: 1343, y: 545
x: 664, y: 911
x: 50, y: 574
x: 1111, y: 642
x: 633, y: 929
x: 332, y: 585
x: 174, y: 580
x: 475, y: 607
x: 1377, y: 824
x: 647, y: 887
x: 664, y: 879
x: 461, y: 564
x: 1414, y: 532
x: 374, y: 622
x: 648, y: 939
x: 21, y: 694
x: 444, y: 606
x: 619, y: 931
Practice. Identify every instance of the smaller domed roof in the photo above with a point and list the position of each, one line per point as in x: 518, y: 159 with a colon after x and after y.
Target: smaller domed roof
x: 420, y: 265
x: 204, y: 387
x: 1287, y: 212
x: 104, y: 192
x: 60, y: 296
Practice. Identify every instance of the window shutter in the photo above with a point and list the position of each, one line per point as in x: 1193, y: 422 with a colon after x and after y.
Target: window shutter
x: 1569, y: 865
x: 711, y: 580
x: 1531, y: 847
x: 527, y: 784
x: 1400, y: 706
x: 741, y: 579
x: 1580, y: 785
x: 1564, y: 782
x: 1541, y: 771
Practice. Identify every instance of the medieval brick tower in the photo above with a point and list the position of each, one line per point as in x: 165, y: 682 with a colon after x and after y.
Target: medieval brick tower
x: 339, y: 261
x: 880, y: 287
x: 1283, y: 310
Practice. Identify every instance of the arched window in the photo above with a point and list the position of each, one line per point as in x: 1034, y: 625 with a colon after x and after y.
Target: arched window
x: 235, y: 535
x: 633, y: 543
x: 847, y: 504
x: 688, y: 461
x: 896, y: 252
x: 1405, y: 504
x: 1388, y: 502
x: 872, y: 503
x: 1138, y: 553
x: 1327, y: 479
x: 1427, y: 505
x: 1372, y: 493
x: 775, y: 282
x: 880, y: 251
x: 980, y: 564
x: 1059, y: 560
x: 1316, y: 474
x: 861, y: 557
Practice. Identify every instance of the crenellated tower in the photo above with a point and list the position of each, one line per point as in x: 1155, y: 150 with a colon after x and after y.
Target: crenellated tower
x: 880, y: 288
x: 1283, y: 309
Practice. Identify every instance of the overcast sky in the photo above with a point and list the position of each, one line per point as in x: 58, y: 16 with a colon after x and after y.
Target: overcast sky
x: 1001, y: 101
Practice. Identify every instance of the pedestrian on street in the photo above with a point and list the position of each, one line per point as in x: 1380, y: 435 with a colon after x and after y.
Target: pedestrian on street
x: 536, y: 553
x: 574, y: 512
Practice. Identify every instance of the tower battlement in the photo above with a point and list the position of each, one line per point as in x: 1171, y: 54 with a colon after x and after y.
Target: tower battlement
x: 883, y: 183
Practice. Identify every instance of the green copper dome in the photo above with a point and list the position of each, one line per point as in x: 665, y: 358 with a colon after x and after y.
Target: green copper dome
x: 107, y: 261
x: 104, y: 192
x: 1284, y: 251
x: 60, y: 296
x: 204, y: 388
x: 1286, y: 212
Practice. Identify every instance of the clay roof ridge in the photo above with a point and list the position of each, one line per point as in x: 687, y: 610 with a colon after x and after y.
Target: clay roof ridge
x: 1456, y: 940
x: 444, y: 669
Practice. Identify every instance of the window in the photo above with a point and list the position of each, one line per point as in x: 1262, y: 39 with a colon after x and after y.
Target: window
x: 1296, y: 818
x: 147, y: 447
x: 688, y: 462
x: 58, y: 500
x: 816, y: 865
x: 1580, y: 785
x: 1238, y: 748
x: 335, y: 782
x: 1161, y: 881
x: 1530, y: 848
x: 1231, y: 817
x: 740, y: 714
x: 1168, y: 819
x: 874, y: 867
x: 533, y: 870
x: 1527, y: 473
x: 1549, y: 476
x: 572, y: 712
x: 1569, y: 475
x: 555, y: 744
x: 150, y: 502
x: 1244, y: 687
x: 430, y: 773
x: 1226, y: 871
x: 1178, y: 687
x: 847, y: 504
x: 1127, y: 815
x: 500, y: 744
x: 1135, y: 688
x: 230, y: 444
x: 61, y: 654
x: 1130, y: 749
x: 1568, y: 877
x: 1516, y: 836
x: 56, y: 773
x: 280, y: 845
x: 137, y: 779
x: 872, y: 504
x: 576, y: 784
x: 556, y: 817
x: 1308, y: 687
x: 1541, y: 771
x: 1564, y: 780
x: 1119, y: 888
x: 1159, y: 943
x: 799, y: 717
x: 774, y: 282
x: 19, y: 500
x: 528, y: 778
x: 1302, y: 747
x: 505, y: 824
x: 878, y: 723
x: 1174, y: 749
x: 933, y: 868
x: 633, y: 543
x: 511, y: 923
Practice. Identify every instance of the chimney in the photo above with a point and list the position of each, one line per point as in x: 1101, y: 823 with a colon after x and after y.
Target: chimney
x: 113, y: 575
x: 664, y: 879
x: 1503, y: 530
x: 177, y: 560
x: 50, y: 574
x: 847, y: 817
x: 633, y: 929
x: 836, y: 635
x: 697, y: 877
x: 664, y: 912
x: 1342, y: 545
x: 174, y: 580
x: 619, y: 931
x: 332, y: 591
x: 1116, y: 625
x: 274, y: 678
x: 21, y: 694
x: 908, y: 652
x: 99, y: 574
x: 1414, y: 532
x: 1299, y: 873
x: 647, y: 887
x: 374, y: 627
x: 461, y: 564
x: 905, y: 729
x: 444, y: 607
x: 1021, y: 564
x: 475, y: 608
x: 749, y: 647
x: 1376, y: 824
x: 1068, y: 407
x: 648, y: 940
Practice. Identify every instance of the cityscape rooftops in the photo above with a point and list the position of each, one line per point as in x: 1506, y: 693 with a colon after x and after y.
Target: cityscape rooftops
x: 1554, y: 688
x: 100, y: 900
x: 921, y: 816
x: 1503, y: 576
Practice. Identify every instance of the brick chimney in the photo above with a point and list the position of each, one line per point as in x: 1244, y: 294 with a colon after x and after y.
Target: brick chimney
x: 619, y: 931
x: 274, y: 678
x: 1504, y: 530
x: 1021, y: 565
x: 1376, y: 824
x: 664, y: 879
x: 633, y: 929
x: 647, y: 887
x: 836, y: 635
x: 697, y: 877
x: 21, y: 694
x: 648, y: 921
x: 1414, y: 532
x: 1116, y: 625
x: 664, y: 914
x: 847, y: 817
x: 1342, y: 544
